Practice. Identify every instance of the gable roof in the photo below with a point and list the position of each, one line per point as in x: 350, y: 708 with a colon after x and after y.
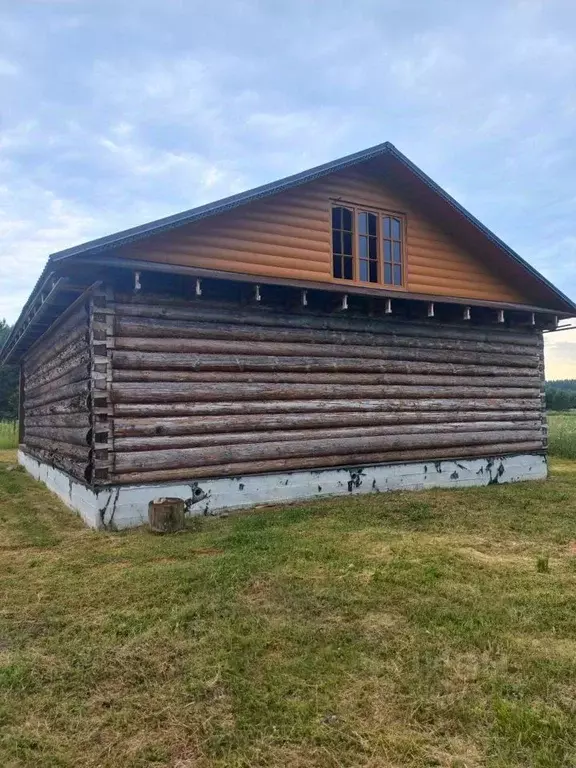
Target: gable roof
x: 152, y: 228
x: 465, y: 223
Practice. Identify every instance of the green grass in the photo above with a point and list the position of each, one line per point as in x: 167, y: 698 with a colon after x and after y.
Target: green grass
x: 562, y: 434
x: 404, y: 629
x: 8, y: 434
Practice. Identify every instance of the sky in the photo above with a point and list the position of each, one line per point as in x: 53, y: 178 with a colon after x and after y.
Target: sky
x: 116, y: 112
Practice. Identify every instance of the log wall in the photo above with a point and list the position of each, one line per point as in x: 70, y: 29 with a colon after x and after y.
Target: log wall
x: 195, y: 389
x: 56, y: 384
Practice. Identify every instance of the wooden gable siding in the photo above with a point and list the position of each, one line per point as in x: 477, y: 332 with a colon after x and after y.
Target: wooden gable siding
x: 288, y: 236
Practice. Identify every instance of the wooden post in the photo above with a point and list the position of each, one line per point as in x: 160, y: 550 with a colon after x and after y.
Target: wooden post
x: 166, y: 515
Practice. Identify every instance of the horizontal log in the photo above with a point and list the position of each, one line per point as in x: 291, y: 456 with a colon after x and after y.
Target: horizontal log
x: 148, y: 392
x: 56, y: 448
x: 78, y: 469
x: 59, y: 420
x: 272, y: 377
x: 348, y: 461
x: 60, y: 393
x: 74, y: 435
x: 147, y: 305
x: 76, y: 326
x: 171, y: 442
x: 129, y: 327
x: 191, y: 425
x: 255, y: 363
x: 68, y: 405
x: 76, y: 346
x: 322, y: 406
x: 207, y: 455
x: 81, y: 357
x: 80, y: 372
x: 283, y: 349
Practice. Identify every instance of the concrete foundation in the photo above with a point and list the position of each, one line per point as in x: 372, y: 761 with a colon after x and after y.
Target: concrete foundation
x: 127, y: 505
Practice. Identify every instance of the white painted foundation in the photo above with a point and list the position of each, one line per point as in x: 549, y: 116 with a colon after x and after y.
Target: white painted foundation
x: 125, y: 506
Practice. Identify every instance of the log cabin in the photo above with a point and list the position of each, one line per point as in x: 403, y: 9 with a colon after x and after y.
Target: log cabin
x: 348, y: 329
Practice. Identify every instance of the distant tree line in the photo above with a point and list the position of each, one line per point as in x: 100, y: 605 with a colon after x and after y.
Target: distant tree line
x: 8, y: 381
x: 561, y: 394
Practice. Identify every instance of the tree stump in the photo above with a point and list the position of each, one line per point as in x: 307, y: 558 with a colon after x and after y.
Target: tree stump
x: 166, y: 515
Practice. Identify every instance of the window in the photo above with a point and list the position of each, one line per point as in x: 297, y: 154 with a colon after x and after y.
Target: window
x: 342, y: 236
x: 367, y: 246
x: 392, y: 250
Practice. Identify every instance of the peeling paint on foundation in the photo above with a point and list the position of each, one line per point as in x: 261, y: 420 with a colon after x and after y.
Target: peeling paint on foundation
x: 126, y: 506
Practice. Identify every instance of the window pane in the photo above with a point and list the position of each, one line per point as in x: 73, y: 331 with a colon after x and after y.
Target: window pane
x: 396, y: 229
x: 397, y: 274
x: 373, y: 248
x: 373, y: 271
x: 336, y: 241
x: 388, y: 274
x: 372, y: 224
x: 386, y: 223
x: 348, y: 270
x: 347, y: 243
x: 337, y: 266
x: 363, y: 247
x: 387, y: 251
x: 362, y: 223
x: 397, y: 253
x: 336, y: 218
x: 347, y: 219
x: 363, y: 270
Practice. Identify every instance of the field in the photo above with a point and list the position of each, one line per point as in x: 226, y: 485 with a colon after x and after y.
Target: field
x: 8, y: 434
x: 562, y: 434
x: 408, y: 629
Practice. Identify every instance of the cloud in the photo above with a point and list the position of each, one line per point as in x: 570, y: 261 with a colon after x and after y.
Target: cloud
x: 34, y: 223
x: 7, y: 68
x: 560, y: 355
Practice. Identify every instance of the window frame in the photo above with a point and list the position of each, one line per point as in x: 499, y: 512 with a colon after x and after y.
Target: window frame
x: 356, y: 209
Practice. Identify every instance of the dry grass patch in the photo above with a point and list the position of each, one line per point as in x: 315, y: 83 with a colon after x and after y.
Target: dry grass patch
x: 389, y: 630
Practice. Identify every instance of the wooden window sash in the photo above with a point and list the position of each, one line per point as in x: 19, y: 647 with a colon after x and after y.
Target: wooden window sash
x: 380, y: 213
x: 342, y: 257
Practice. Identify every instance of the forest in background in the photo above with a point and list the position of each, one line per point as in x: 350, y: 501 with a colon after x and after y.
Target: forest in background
x: 561, y: 395
x: 8, y: 382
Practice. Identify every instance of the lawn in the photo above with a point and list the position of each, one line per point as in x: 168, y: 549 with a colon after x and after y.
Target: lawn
x: 406, y: 629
